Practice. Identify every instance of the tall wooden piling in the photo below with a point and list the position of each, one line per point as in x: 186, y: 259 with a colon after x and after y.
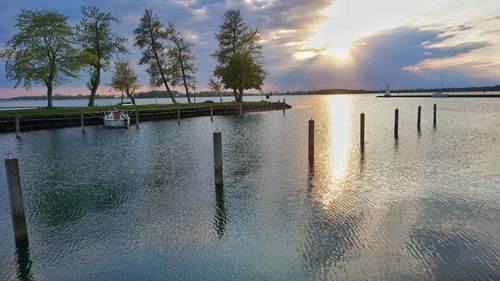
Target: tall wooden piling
x: 218, y: 158
x: 311, y: 140
x: 82, y: 122
x: 178, y: 116
x: 418, y: 117
x: 16, y: 199
x: 137, y: 119
x: 362, y: 131
x: 211, y: 113
x: 396, y: 123
x: 18, y: 127
x: 434, y: 116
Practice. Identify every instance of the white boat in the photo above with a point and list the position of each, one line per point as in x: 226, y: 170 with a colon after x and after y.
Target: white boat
x: 116, y: 119
x: 440, y: 94
x: 387, y: 91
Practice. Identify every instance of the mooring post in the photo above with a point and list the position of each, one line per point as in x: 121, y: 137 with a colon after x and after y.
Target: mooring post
x: 137, y: 119
x: 284, y: 106
x: 16, y: 199
x: 82, y: 122
x: 434, y: 116
x: 178, y: 116
x: 18, y: 127
x: 418, y: 117
x: 218, y: 158
x: 212, y: 113
x: 362, y: 130
x: 311, y: 140
x: 396, y: 123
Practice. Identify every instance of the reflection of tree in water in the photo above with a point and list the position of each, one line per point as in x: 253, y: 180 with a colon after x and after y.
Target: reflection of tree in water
x: 220, y: 212
x: 23, y: 261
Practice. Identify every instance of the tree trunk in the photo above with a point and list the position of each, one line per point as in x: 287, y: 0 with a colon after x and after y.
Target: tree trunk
x: 220, y: 97
x: 184, y: 78
x: 95, y: 78
x: 240, y: 95
x: 122, y: 99
x: 131, y: 97
x: 49, y: 96
x: 235, y: 95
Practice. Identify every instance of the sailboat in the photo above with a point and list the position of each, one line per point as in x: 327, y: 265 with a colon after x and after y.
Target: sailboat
x: 387, y: 91
x: 440, y: 94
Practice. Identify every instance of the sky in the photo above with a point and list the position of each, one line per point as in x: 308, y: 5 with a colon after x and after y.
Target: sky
x: 315, y: 44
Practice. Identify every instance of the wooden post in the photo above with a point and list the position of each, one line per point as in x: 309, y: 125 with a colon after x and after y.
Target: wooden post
x: 137, y: 119
x: 434, y: 116
x: 284, y: 106
x: 396, y: 123
x: 212, y: 113
x: 362, y: 131
x: 178, y: 116
x: 311, y: 140
x: 82, y: 122
x: 418, y: 117
x: 16, y: 200
x: 18, y: 127
x: 218, y: 158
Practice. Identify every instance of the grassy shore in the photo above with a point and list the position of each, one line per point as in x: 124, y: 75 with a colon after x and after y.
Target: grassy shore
x: 62, y: 110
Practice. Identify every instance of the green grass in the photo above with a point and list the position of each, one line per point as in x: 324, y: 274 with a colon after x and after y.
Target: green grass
x: 62, y: 110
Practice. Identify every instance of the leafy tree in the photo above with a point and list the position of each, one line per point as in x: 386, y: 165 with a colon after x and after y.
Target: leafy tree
x: 181, y: 60
x: 42, y: 51
x: 236, y: 38
x: 98, y: 43
x: 215, y: 86
x: 124, y: 79
x: 150, y: 35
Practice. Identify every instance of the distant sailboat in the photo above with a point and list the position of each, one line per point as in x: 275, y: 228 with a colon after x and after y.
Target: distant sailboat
x: 387, y: 91
x: 440, y: 94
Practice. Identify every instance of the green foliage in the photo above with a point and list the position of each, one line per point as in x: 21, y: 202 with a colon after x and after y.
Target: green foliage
x: 42, y: 51
x: 151, y: 36
x: 124, y: 79
x: 98, y: 44
x: 238, y: 43
x: 180, y: 60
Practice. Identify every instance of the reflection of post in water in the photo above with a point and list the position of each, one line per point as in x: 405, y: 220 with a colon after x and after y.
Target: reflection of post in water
x: 220, y: 211
x: 23, y: 261
x: 310, y: 176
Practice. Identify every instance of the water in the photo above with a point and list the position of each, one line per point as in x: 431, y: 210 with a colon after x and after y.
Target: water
x: 141, y: 204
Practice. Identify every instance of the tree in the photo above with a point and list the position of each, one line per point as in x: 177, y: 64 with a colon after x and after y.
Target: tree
x: 150, y: 35
x: 242, y: 73
x: 124, y: 79
x: 215, y: 86
x: 236, y: 38
x: 181, y: 60
x: 42, y: 51
x: 98, y: 44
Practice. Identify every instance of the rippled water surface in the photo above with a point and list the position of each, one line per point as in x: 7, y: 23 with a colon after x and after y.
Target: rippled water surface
x: 140, y: 204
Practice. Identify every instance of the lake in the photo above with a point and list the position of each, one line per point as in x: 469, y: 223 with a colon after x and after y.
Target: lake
x: 140, y: 204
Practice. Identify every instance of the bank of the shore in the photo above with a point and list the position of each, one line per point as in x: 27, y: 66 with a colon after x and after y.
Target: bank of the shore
x: 51, y: 118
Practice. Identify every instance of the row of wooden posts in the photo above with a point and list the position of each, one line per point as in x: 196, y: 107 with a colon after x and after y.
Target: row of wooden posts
x: 218, y: 171
x: 14, y: 181
x: 82, y: 118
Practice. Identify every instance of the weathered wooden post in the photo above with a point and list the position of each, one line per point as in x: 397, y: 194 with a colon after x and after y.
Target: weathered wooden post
x: 137, y: 119
x: 212, y: 113
x: 18, y: 127
x: 178, y: 116
x: 434, y: 116
x: 284, y: 106
x: 418, y: 117
x: 82, y: 122
x: 362, y: 130
x: 16, y: 199
x: 396, y: 123
x: 311, y: 140
x: 218, y: 158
